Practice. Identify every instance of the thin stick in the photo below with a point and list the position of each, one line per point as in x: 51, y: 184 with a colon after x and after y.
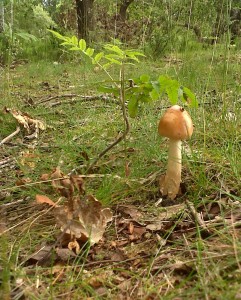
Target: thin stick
x: 126, y: 123
x: 6, y: 139
x: 86, y: 98
x: 5, y: 162
x: 11, y: 203
x: 197, y: 217
x: 56, y: 97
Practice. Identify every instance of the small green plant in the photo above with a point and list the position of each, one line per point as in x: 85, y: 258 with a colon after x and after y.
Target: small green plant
x: 10, y: 42
x: 135, y: 91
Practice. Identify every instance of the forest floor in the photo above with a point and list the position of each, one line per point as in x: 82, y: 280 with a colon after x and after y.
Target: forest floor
x: 189, y: 248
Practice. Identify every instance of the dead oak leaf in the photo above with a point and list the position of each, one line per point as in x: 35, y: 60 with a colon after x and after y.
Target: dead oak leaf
x: 87, y: 220
x: 42, y: 255
x: 74, y: 245
x: 137, y: 233
x: 63, y: 185
x: 130, y: 210
x: 44, y: 199
x: 65, y: 254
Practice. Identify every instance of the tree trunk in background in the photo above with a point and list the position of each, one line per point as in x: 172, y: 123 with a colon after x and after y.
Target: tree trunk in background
x: 123, y: 9
x: 235, y: 23
x: 84, y: 10
x: 1, y: 16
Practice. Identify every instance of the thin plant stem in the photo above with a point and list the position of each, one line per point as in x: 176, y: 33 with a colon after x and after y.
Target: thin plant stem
x: 126, y: 122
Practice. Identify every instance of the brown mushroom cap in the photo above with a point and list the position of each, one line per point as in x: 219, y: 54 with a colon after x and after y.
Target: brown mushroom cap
x: 176, y: 124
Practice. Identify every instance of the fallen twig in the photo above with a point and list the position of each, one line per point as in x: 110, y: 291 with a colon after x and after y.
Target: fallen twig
x: 6, y: 162
x: 115, y: 262
x: 78, y: 97
x: 6, y: 139
x: 197, y: 217
x: 73, y: 101
x: 12, y: 203
x: 56, y: 97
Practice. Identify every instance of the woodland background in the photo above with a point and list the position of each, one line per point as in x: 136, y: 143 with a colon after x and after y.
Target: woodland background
x: 58, y: 115
x: 157, y: 27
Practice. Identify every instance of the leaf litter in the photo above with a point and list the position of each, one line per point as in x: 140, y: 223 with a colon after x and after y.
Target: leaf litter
x: 82, y: 217
x: 140, y: 241
x: 135, y: 238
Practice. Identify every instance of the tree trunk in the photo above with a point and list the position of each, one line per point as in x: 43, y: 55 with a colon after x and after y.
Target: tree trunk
x: 123, y: 9
x: 84, y: 10
x: 235, y: 23
x: 1, y: 16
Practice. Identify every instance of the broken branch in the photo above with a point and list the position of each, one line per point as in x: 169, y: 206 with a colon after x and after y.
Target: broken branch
x: 9, y: 137
x: 78, y: 97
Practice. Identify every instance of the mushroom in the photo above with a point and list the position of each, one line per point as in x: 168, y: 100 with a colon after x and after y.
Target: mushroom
x: 176, y: 124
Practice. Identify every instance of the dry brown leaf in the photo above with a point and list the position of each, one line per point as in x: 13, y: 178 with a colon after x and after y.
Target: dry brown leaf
x: 131, y: 210
x: 30, y: 124
x: 98, y: 280
x: 45, y: 199
x: 137, y: 233
x: 78, y: 183
x: 74, y: 245
x: 155, y: 226
x: 118, y: 255
x: 87, y: 220
x: 65, y: 254
x: 64, y: 186
x: 127, y: 169
x: 23, y: 181
x: 44, y: 177
x: 131, y: 228
x: 40, y: 255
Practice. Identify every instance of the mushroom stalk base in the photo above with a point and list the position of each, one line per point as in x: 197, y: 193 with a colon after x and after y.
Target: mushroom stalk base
x: 170, y: 183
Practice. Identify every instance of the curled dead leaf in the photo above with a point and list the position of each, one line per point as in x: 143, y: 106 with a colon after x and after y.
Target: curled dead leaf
x: 44, y: 177
x: 130, y: 210
x: 137, y: 233
x: 88, y: 219
x: 155, y: 226
x: 31, y: 125
x: 74, y: 245
x: 78, y: 183
x: 63, y: 185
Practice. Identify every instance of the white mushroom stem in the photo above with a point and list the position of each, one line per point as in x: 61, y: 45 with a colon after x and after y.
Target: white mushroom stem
x: 169, y: 185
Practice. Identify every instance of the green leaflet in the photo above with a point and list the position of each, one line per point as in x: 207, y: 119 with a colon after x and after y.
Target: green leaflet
x: 189, y: 97
x: 58, y: 35
x: 98, y: 57
x: 82, y: 45
x: 133, y: 107
x: 154, y: 95
x: 145, y: 78
x: 89, y: 52
x: 144, y: 89
x: 74, y: 40
x: 109, y: 90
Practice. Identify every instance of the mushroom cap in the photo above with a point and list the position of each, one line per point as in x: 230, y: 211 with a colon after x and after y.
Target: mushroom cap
x: 176, y: 124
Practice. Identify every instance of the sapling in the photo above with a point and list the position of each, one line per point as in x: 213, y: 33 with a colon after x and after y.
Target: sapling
x: 135, y: 91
